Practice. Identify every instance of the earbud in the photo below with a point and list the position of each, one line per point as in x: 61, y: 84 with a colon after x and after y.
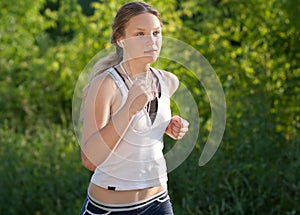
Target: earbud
x: 121, y: 43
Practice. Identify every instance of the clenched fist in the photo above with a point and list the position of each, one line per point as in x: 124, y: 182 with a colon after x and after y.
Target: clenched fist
x: 177, y: 127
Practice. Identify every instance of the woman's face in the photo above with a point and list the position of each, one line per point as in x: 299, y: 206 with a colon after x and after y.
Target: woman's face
x: 142, y: 40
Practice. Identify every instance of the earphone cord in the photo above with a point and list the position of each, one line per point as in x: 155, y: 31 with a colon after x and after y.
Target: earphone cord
x: 126, y: 73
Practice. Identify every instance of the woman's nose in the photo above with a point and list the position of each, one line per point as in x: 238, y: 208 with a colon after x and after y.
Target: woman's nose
x: 150, y: 40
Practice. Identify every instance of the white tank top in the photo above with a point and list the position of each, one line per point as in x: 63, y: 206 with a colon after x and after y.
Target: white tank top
x: 138, y: 161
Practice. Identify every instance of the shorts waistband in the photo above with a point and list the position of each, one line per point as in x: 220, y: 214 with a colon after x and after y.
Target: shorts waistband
x: 161, y: 196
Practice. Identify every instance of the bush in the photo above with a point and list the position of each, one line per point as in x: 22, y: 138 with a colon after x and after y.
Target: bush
x: 253, y: 47
x: 41, y: 172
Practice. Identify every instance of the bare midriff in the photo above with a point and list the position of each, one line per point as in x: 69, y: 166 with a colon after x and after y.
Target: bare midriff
x: 122, y: 197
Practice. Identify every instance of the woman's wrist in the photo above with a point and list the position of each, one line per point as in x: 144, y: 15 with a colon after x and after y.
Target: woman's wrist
x: 129, y: 111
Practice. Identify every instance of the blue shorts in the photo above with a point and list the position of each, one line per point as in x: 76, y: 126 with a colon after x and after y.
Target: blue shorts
x: 159, y: 204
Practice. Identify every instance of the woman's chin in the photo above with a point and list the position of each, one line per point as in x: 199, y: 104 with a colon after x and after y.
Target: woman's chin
x: 150, y: 59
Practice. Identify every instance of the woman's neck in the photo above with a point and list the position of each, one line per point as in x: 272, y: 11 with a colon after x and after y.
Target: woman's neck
x: 135, y: 68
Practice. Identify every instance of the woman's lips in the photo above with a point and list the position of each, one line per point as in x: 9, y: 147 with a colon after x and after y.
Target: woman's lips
x: 150, y: 52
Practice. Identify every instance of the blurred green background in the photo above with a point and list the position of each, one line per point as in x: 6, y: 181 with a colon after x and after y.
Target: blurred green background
x: 254, y: 47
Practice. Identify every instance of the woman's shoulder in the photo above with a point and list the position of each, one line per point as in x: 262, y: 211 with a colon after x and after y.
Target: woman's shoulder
x: 103, y: 83
x: 105, y: 77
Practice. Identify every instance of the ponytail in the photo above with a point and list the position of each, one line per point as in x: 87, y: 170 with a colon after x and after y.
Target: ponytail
x: 101, y: 65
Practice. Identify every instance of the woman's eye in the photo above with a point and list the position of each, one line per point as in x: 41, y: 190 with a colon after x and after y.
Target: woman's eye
x: 156, y: 33
x: 140, y: 34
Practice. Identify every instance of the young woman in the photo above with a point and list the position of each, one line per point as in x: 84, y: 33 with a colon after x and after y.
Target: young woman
x: 126, y: 112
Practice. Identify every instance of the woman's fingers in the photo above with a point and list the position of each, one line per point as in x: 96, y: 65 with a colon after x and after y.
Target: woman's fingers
x: 178, y: 127
x: 145, y: 87
x: 138, y: 95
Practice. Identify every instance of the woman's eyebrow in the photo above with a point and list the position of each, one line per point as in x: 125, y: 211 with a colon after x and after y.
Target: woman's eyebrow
x: 143, y: 29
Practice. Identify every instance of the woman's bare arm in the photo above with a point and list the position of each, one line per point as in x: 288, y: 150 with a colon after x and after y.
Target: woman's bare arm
x: 178, y: 126
x: 103, y: 130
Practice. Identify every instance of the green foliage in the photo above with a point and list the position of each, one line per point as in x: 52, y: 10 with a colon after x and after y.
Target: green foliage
x: 252, y: 45
x: 41, y: 172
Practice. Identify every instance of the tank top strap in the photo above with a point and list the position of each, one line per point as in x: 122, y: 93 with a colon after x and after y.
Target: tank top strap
x: 162, y: 81
x: 120, y: 82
